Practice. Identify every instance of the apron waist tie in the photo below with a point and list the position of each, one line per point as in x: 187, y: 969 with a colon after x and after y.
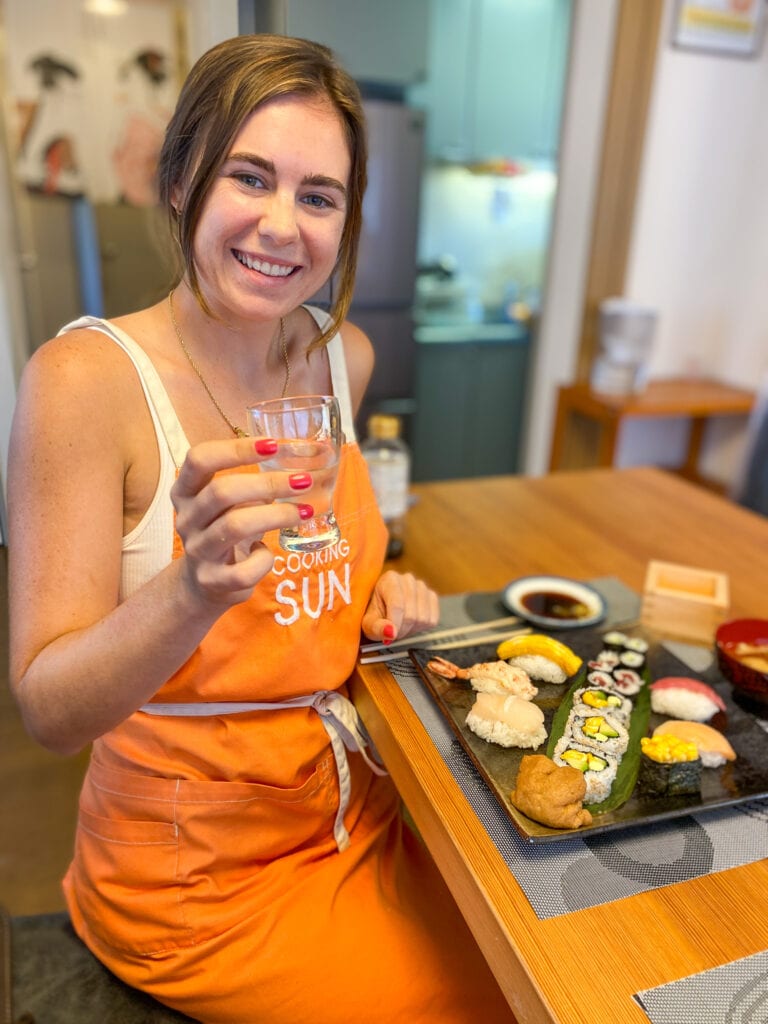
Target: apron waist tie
x: 340, y: 720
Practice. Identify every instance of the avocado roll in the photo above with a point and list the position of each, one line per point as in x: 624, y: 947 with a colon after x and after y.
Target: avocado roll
x: 599, y: 731
x: 591, y: 699
x: 599, y: 768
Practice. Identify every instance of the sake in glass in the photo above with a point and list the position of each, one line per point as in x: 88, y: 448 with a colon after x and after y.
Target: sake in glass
x: 307, y: 429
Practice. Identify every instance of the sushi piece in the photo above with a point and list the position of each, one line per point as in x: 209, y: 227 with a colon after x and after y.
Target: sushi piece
x: 487, y: 677
x: 668, y: 766
x: 508, y: 721
x: 635, y: 643
x: 615, y: 640
x: 626, y: 680
x: 605, y: 660
x: 714, y: 749
x: 546, y: 646
x: 632, y: 659
x: 542, y: 669
x: 683, y: 698
x: 550, y: 793
x: 588, y: 700
x: 599, y: 768
x: 598, y: 731
x: 600, y: 678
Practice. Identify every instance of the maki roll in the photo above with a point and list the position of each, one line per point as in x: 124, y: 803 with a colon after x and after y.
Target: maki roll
x: 599, y: 768
x: 626, y: 681
x: 668, y: 766
x: 600, y: 678
x: 598, y: 731
x: 590, y: 699
x: 632, y: 659
x: 634, y: 643
x: 615, y: 640
x: 605, y: 660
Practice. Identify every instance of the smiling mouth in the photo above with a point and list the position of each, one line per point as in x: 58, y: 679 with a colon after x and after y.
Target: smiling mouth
x: 263, y: 266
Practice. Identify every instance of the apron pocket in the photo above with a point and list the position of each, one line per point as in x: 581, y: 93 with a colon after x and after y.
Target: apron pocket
x: 125, y: 874
x: 240, y: 843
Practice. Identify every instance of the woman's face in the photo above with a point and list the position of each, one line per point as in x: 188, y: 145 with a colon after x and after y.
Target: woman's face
x: 270, y: 230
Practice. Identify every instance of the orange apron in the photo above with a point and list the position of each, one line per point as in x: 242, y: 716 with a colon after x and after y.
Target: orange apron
x: 237, y: 854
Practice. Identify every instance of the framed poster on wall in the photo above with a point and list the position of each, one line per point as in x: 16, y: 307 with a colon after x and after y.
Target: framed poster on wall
x: 732, y: 28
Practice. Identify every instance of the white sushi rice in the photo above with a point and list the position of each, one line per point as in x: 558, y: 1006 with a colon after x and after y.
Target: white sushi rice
x: 685, y: 704
x: 507, y: 721
x: 539, y: 668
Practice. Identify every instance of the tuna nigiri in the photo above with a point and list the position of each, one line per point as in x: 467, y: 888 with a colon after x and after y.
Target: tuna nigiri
x: 681, y: 697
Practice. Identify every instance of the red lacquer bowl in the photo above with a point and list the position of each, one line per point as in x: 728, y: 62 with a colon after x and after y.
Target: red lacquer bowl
x: 746, y: 680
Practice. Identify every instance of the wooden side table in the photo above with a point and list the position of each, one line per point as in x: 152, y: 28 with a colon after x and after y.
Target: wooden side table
x: 579, y: 407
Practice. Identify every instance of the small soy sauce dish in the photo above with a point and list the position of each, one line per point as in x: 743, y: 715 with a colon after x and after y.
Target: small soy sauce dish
x: 554, y: 602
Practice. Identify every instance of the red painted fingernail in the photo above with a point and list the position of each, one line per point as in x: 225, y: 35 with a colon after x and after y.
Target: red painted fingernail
x: 389, y: 632
x: 266, y: 446
x: 300, y: 481
x: 305, y: 511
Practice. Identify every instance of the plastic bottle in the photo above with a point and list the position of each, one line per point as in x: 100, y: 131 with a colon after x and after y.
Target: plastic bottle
x: 389, y: 464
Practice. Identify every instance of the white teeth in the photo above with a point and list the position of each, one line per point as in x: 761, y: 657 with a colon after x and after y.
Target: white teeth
x: 270, y: 269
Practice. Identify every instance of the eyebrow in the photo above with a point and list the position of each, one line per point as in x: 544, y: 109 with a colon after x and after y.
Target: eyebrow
x: 317, y: 180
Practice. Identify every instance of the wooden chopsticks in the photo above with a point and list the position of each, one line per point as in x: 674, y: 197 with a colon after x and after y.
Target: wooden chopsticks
x: 426, y: 641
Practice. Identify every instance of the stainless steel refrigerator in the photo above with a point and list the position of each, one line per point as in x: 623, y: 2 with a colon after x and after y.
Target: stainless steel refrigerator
x: 386, y: 274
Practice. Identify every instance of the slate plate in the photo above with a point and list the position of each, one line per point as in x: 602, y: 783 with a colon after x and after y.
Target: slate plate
x: 746, y: 778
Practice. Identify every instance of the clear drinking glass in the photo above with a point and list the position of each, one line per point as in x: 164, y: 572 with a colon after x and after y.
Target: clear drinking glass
x: 307, y: 429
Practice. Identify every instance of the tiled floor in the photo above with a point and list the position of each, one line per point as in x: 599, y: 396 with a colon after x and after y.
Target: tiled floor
x: 38, y: 798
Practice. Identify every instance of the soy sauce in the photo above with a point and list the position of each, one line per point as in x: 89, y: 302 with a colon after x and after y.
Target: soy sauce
x: 551, y: 605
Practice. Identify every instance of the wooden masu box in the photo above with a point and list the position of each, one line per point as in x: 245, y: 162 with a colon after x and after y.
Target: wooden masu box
x: 684, y: 603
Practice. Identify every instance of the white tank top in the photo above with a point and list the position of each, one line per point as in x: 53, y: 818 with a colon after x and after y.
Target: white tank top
x: 148, y: 547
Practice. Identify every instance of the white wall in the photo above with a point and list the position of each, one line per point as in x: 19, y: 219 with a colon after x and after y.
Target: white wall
x: 557, y: 344
x: 699, y: 250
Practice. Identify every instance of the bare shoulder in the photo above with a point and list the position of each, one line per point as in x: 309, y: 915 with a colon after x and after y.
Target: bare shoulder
x: 360, y: 358
x: 79, y: 381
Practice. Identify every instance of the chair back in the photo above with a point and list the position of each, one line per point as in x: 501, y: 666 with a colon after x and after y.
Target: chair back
x: 750, y: 487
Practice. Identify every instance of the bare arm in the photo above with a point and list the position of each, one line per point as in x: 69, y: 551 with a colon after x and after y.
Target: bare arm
x: 81, y: 663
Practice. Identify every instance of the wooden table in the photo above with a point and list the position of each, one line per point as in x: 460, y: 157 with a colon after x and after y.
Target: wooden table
x: 697, y: 400
x: 477, y: 535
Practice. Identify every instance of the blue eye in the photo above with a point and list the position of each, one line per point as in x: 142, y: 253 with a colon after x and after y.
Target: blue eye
x: 319, y: 202
x: 249, y: 179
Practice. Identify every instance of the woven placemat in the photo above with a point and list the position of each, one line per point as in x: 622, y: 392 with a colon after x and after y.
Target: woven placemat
x: 575, y: 873
x: 736, y: 993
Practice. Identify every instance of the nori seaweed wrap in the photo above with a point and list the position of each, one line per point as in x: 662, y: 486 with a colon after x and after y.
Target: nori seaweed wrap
x: 668, y: 768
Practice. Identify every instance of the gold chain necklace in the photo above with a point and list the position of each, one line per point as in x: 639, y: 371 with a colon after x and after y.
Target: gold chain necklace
x: 237, y: 431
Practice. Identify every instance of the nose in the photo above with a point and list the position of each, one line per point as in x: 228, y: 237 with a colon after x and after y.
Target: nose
x: 278, y: 219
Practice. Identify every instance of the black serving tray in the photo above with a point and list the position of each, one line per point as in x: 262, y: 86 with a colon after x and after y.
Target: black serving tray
x: 737, y: 781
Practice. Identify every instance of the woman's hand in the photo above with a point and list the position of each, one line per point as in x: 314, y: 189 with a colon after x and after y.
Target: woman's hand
x: 222, y: 517
x: 400, y: 606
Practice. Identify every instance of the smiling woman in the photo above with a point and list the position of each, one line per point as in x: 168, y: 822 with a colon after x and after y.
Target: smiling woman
x: 237, y: 834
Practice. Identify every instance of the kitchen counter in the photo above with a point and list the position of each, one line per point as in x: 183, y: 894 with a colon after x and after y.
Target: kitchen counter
x: 469, y: 331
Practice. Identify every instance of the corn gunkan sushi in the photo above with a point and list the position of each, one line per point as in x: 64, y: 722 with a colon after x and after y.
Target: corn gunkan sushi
x: 599, y: 768
x: 668, y: 766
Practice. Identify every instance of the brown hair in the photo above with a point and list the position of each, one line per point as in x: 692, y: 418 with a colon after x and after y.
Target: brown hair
x: 223, y: 88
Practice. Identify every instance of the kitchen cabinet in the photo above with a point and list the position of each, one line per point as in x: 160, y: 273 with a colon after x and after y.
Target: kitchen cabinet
x: 497, y: 72
x: 382, y: 43
x: 470, y: 398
